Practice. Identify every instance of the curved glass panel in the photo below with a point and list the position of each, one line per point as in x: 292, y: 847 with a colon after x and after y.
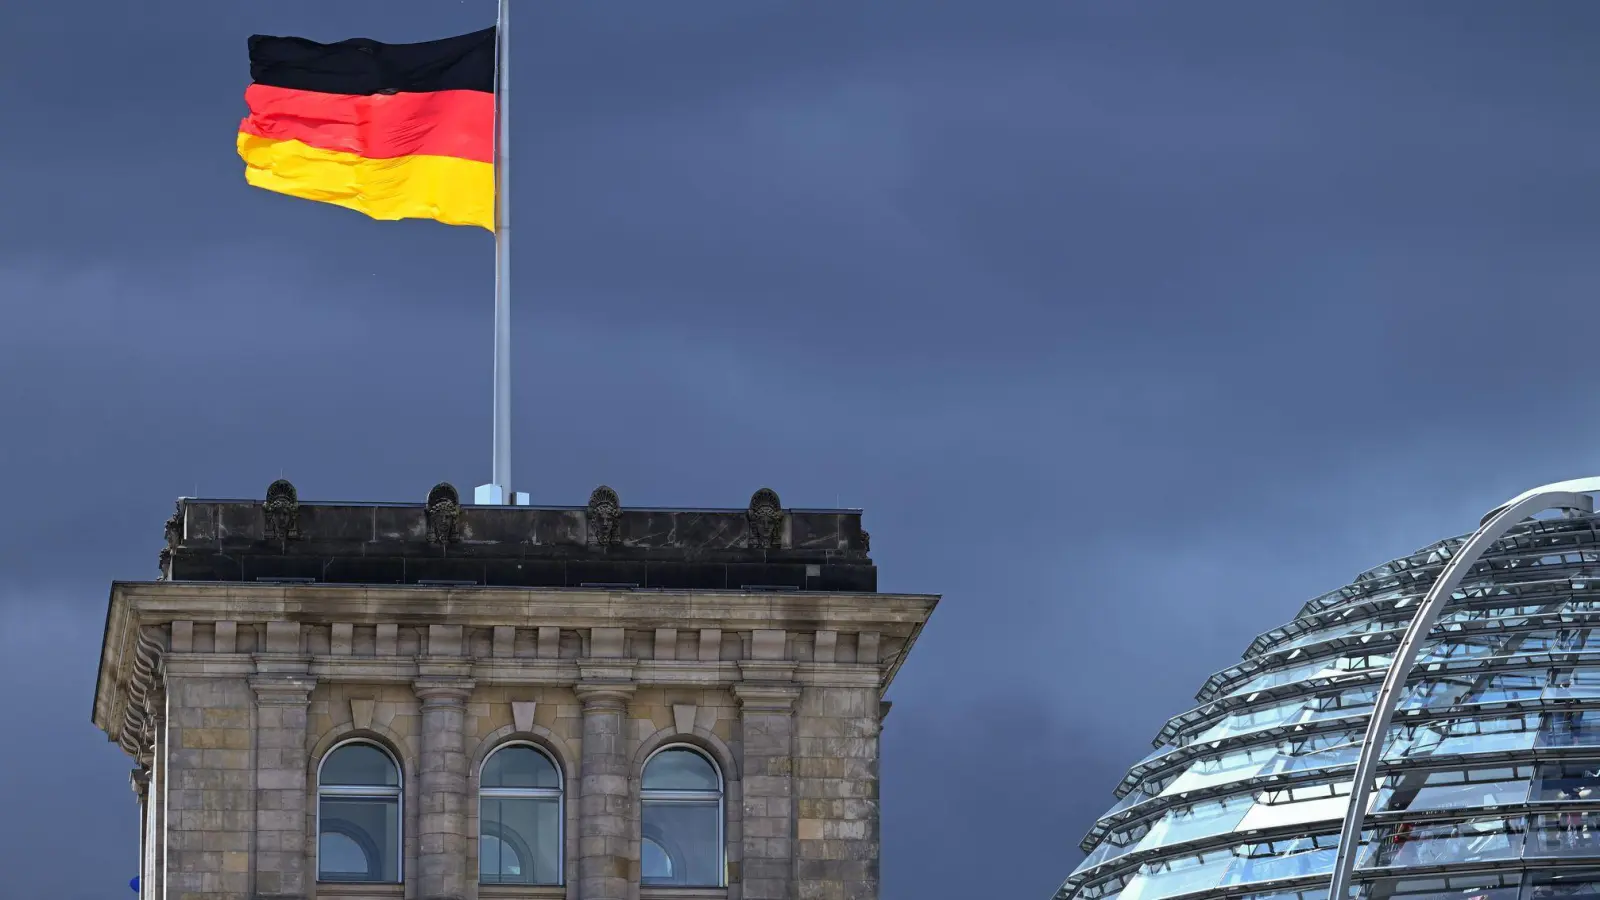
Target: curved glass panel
x: 360, y: 765
x: 1186, y: 823
x: 1558, y: 884
x: 1235, y: 766
x: 1297, y: 806
x: 680, y: 769
x: 1294, y: 857
x: 1441, y: 843
x: 1567, y: 834
x: 1182, y: 875
x: 1489, y: 784
x: 1568, y: 781
x: 1420, y: 791
x: 520, y: 766
x: 1444, y: 887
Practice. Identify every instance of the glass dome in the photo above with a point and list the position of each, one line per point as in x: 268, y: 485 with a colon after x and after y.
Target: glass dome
x: 1489, y: 784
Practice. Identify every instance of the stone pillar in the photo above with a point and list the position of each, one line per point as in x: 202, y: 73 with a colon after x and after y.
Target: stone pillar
x: 606, y: 868
x: 209, y: 782
x: 442, y: 790
x: 283, y: 859
x: 836, y: 792
x: 766, y: 720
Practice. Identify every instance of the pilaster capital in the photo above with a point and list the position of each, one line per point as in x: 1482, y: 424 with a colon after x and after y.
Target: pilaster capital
x: 436, y: 692
x: 283, y: 689
x: 766, y: 671
x: 773, y: 698
x: 604, y: 696
x: 139, y: 781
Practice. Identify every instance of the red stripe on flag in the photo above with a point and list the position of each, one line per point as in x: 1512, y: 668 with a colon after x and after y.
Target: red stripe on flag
x: 459, y: 124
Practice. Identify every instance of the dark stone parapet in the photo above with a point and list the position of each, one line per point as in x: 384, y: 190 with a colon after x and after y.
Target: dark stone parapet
x: 442, y: 541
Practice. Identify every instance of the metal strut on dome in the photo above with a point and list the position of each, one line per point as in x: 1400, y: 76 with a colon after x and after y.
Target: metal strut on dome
x: 1566, y: 495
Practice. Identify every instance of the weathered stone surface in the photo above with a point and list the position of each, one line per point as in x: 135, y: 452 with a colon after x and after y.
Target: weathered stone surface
x: 262, y: 678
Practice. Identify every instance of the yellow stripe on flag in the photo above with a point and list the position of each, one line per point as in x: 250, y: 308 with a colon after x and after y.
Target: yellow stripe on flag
x: 445, y: 188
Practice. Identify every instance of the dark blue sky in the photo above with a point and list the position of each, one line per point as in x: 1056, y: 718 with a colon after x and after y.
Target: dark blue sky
x: 1131, y: 326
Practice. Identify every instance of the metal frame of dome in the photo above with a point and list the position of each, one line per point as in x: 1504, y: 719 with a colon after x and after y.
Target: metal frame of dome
x: 1528, y: 581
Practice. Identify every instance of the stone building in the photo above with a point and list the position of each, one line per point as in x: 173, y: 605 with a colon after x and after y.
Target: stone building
x: 432, y: 701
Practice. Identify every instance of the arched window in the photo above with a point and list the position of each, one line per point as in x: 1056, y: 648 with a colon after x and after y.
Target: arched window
x: 358, y: 814
x: 519, y: 817
x: 681, y: 819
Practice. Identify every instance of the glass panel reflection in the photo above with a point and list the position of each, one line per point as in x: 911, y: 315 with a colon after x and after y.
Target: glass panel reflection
x: 520, y: 766
x: 1183, y: 875
x: 1295, y: 857
x: 1453, y: 789
x: 1453, y: 736
x: 1444, y: 887
x: 358, y: 839
x: 1570, y: 729
x: 360, y: 765
x: 1574, y: 833
x: 1561, y: 884
x: 1235, y: 766
x: 689, y: 836
x: 521, y: 840
x: 1186, y: 823
x: 1438, y: 843
x: 1297, y: 805
x: 1568, y: 781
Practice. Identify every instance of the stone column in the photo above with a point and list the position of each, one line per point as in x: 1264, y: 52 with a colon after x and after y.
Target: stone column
x: 836, y: 791
x: 605, y: 865
x: 766, y: 717
x: 442, y: 790
x: 209, y: 781
x: 282, y: 859
x: 155, y: 805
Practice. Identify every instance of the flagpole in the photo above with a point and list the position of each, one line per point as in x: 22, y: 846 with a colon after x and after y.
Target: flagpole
x: 499, y: 488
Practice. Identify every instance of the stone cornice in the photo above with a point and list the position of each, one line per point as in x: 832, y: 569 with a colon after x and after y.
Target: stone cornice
x: 480, y: 607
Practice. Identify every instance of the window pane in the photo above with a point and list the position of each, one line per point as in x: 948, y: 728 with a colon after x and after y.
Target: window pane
x: 688, y: 835
x: 521, y: 841
x: 1565, y: 834
x: 1454, y: 789
x: 1568, y: 781
x: 1178, y: 876
x: 1432, y: 844
x: 1295, y: 857
x: 360, y: 764
x: 680, y: 770
x: 1186, y: 823
x: 520, y: 766
x: 656, y: 864
x: 1443, y: 887
x: 357, y: 838
x: 1564, y: 883
x: 1570, y: 729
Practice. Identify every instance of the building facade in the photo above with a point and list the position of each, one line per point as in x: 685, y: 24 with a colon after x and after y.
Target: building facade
x: 1489, y: 782
x: 443, y: 702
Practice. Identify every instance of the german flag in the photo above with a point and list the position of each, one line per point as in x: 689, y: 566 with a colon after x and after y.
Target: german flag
x: 396, y: 131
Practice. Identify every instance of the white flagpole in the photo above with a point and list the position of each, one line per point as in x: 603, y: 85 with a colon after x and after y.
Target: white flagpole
x: 499, y: 488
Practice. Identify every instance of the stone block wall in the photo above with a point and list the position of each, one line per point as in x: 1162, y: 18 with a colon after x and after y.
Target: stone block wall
x: 836, y: 784
x: 790, y: 717
x: 210, y: 803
